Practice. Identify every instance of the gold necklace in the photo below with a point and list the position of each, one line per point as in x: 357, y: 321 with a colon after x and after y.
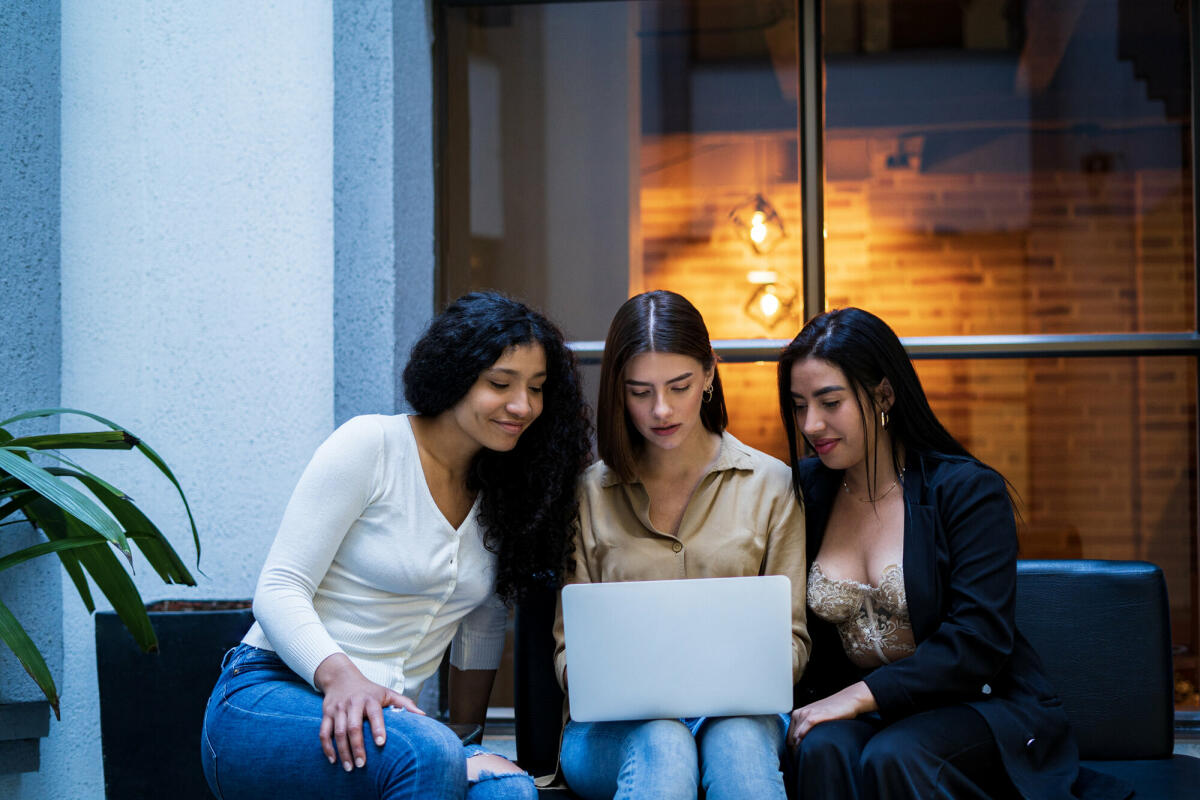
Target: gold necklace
x: 876, y: 499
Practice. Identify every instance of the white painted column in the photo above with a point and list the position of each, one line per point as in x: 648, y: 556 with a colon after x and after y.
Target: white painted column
x: 197, y: 275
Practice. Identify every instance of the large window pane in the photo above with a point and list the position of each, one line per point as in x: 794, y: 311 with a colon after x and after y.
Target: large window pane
x: 596, y: 150
x: 1101, y: 452
x: 990, y: 167
x: 996, y: 167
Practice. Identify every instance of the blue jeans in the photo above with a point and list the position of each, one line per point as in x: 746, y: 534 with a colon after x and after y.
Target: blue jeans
x: 260, y: 739
x: 663, y: 759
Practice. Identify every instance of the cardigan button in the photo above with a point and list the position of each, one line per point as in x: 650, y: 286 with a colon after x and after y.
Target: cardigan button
x: 677, y: 546
x: 987, y: 689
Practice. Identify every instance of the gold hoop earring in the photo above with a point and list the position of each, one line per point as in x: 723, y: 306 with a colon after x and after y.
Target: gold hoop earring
x: 883, y: 418
x: 708, y: 393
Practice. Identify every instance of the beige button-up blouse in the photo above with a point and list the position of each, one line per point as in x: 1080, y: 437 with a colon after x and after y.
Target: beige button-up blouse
x: 741, y: 520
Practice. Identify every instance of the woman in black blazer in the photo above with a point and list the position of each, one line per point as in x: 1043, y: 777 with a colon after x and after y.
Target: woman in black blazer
x: 919, y: 685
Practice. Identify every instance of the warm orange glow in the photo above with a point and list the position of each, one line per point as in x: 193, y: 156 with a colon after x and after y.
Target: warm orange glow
x: 758, y: 227
x: 769, y: 303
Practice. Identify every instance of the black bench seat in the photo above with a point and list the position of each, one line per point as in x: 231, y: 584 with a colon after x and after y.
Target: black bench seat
x: 1102, y: 629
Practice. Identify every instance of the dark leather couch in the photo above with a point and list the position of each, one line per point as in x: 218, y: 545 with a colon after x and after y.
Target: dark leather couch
x: 152, y: 705
x: 1103, y: 631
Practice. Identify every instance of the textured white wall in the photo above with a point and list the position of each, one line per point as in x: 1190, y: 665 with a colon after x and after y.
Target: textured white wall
x: 29, y: 301
x: 197, y: 273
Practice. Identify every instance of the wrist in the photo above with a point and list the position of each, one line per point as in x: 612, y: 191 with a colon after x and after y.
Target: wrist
x: 332, y: 670
x: 864, y: 700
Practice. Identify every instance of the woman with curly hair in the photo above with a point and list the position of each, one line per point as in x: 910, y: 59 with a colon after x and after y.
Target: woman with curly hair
x: 406, y: 535
x: 676, y: 496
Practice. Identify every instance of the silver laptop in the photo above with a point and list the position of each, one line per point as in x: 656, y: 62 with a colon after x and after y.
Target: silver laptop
x: 681, y: 648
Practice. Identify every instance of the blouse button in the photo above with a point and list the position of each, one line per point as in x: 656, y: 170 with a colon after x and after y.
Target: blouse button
x: 677, y: 546
x: 987, y: 689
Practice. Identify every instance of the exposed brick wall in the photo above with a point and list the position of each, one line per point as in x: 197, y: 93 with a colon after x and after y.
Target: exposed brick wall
x: 1101, y: 451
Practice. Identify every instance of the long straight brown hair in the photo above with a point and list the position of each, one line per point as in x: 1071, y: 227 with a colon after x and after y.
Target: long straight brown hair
x: 651, y: 322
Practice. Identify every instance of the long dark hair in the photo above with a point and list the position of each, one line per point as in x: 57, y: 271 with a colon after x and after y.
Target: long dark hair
x: 863, y: 347
x: 651, y: 322
x: 528, y: 505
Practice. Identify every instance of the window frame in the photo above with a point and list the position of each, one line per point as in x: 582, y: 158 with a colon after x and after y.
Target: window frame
x: 810, y: 64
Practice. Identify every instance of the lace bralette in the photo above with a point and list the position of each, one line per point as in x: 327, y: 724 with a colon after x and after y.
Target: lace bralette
x: 872, y: 620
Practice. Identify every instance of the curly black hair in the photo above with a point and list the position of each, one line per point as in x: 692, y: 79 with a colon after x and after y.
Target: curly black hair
x: 528, y: 504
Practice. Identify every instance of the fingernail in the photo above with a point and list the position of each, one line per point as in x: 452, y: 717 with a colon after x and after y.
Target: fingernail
x: 379, y: 740
x: 358, y: 762
x: 332, y: 760
x: 346, y: 765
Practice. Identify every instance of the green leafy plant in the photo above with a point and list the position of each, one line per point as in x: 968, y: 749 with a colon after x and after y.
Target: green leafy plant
x: 85, y: 532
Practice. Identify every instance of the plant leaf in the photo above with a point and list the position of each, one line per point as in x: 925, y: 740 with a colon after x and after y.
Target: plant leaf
x: 144, y: 448
x: 13, y: 635
x: 79, y: 472
x: 8, y: 485
x: 52, y: 521
x: 86, y: 440
x: 45, y: 548
x: 16, y: 501
x: 65, y: 496
x: 145, y: 534
x: 115, y: 584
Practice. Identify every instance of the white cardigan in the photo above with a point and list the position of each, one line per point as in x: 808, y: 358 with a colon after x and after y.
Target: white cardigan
x: 366, y: 564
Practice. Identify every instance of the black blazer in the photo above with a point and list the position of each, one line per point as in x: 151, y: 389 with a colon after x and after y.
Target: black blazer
x: 960, y: 570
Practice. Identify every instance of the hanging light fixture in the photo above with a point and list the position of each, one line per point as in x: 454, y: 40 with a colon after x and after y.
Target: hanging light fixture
x: 772, y: 300
x: 759, y: 224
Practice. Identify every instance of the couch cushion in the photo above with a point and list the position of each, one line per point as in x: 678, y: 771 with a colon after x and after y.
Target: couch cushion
x: 1103, y: 631
x: 1173, y: 778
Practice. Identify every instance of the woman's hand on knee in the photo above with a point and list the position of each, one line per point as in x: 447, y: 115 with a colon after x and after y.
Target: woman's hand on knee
x: 847, y: 704
x: 349, y: 699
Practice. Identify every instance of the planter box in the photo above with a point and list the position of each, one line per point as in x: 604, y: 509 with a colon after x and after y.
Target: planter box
x: 152, y: 704
x: 22, y: 727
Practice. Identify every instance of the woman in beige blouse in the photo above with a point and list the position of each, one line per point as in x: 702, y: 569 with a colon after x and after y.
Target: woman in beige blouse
x: 675, y: 496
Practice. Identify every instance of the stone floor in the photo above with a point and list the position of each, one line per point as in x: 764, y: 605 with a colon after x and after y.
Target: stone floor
x: 505, y: 745
x: 1188, y: 744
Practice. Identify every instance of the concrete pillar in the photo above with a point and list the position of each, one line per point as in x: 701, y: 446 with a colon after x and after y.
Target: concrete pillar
x: 197, y: 267
x: 383, y: 199
x: 246, y: 257
x: 30, y: 343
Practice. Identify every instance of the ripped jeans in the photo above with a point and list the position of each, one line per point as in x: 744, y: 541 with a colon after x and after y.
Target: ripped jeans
x: 260, y: 739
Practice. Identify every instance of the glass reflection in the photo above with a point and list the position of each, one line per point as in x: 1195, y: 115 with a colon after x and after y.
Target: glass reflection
x: 1001, y: 167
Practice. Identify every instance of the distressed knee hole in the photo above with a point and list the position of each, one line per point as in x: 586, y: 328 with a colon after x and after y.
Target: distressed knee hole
x: 487, y: 766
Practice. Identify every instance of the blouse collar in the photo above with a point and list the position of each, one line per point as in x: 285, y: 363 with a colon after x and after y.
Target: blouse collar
x: 732, y: 455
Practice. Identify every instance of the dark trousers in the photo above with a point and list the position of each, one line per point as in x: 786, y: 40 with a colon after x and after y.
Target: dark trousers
x: 944, y: 753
